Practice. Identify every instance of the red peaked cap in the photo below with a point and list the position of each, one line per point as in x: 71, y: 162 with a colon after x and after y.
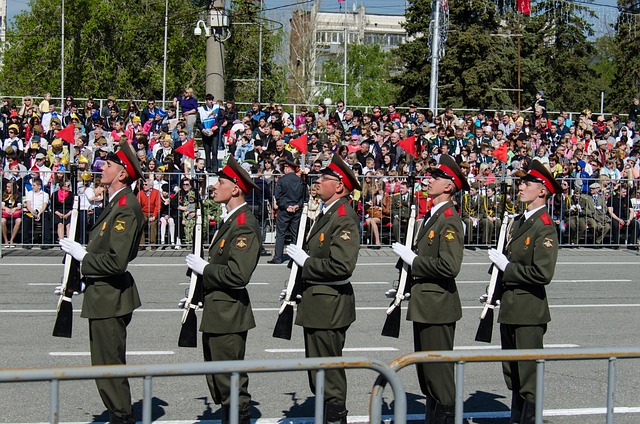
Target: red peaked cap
x: 338, y: 168
x: 540, y: 174
x: 125, y: 157
x: 234, y: 173
x: 448, y: 168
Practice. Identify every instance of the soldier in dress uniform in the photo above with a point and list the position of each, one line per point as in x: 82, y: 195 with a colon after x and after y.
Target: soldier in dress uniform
x: 599, y: 220
x: 400, y: 210
x: 435, y: 303
x: 491, y: 213
x: 327, y: 307
x: 580, y: 206
x: 111, y: 294
x: 527, y: 265
x: 233, y: 256
x: 471, y: 202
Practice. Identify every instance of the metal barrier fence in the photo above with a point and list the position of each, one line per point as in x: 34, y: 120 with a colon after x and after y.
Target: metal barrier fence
x: 541, y: 356
x: 148, y: 372
x: 582, y: 217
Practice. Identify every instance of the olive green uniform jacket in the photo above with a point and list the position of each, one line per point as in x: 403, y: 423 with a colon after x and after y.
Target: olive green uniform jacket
x: 532, y: 250
x: 233, y: 257
x: 440, y: 248
x: 333, y: 244
x: 113, y: 243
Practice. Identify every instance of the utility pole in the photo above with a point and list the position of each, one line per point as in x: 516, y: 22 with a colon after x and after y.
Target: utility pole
x: 214, y: 82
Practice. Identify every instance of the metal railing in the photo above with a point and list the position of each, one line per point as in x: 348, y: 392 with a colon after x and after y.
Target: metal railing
x: 587, y: 225
x: 541, y: 356
x: 148, y: 372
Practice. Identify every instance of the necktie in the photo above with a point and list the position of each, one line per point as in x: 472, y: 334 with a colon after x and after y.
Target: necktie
x: 595, y: 200
x: 426, y: 218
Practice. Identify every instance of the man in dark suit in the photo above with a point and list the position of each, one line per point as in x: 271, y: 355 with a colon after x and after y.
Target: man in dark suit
x: 111, y: 294
x: 435, y: 303
x: 400, y: 211
x: 227, y: 314
x: 327, y: 307
x: 290, y: 195
x: 527, y: 265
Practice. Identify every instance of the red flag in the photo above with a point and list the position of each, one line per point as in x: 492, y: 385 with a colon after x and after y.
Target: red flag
x: 501, y: 152
x: 409, y: 145
x: 188, y: 149
x: 524, y: 7
x: 300, y: 143
x: 67, y: 134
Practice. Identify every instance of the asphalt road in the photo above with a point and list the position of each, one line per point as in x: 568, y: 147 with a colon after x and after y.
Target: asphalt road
x: 595, y: 300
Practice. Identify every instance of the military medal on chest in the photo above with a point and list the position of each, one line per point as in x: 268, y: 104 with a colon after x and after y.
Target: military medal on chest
x: 221, y: 247
x: 527, y: 242
x: 321, y: 239
x: 431, y: 235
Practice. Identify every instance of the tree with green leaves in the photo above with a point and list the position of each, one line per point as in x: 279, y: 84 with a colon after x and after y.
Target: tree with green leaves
x: 116, y: 48
x: 627, y: 56
x: 368, y: 76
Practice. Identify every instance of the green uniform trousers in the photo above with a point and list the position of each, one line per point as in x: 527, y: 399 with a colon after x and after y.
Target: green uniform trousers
x: 322, y: 344
x: 520, y: 376
x: 108, y: 345
x: 436, y: 379
x: 226, y: 347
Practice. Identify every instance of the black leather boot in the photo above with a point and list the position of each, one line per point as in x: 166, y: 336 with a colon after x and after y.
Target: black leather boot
x: 517, y: 403
x: 335, y: 413
x: 444, y: 414
x: 225, y: 415
x: 528, y: 413
x: 245, y: 416
x: 429, y: 409
x: 125, y: 419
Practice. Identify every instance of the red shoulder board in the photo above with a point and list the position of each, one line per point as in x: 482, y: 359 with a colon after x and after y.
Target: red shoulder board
x: 448, y: 212
x: 546, y: 219
x: 122, y: 201
x: 342, y: 210
x: 242, y: 218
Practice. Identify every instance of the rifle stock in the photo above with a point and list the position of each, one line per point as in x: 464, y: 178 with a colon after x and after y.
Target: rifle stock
x: 189, y: 330
x: 391, y: 326
x: 284, y: 324
x: 485, y: 327
x: 63, y: 326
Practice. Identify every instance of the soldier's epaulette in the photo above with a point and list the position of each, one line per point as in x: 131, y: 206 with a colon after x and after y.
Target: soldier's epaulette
x: 545, y: 218
x: 242, y: 218
x: 122, y: 201
x: 342, y: 210
x: 448, y: 212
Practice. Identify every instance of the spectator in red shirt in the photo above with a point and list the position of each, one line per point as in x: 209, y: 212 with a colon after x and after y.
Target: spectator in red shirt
x: 149, y: 199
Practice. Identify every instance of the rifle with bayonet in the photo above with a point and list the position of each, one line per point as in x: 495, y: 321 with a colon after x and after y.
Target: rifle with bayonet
x: 391, y: 326
x: 284, y: 325
x: 189, y: 330
x: 71, y: 283
x: 485, y: 328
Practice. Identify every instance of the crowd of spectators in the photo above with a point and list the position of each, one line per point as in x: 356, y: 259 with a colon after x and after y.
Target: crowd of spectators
x: 595, y: 158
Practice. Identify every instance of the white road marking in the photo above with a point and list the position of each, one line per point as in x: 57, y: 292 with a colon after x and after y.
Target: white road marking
x: 130, y: 353
x: 552, y: 281
x: 497, y: 347
x: 361, y: 264
x: 366, y: 308
x: 346, y: 349
x: 410, y: 417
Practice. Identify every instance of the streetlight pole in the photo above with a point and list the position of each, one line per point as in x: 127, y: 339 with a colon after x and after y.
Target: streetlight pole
x: 260, y: 56
x: 62, y: 63
x: 164, y: 64
x: 435, y: 58
x: 346, y: 36
x: 214, y: 82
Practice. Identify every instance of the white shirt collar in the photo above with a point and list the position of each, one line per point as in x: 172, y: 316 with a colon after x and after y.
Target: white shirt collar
x: 114, y: 194
x: 529, y: 214
x: 228, y: 214
x: 326, y: 207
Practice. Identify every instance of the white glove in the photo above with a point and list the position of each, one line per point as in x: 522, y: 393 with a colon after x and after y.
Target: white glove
x: 73, y: 248
x: 404, y: 252
x: 391, y: 294
x: 296, y: 253
x: 499, y: 259
x: 182, y: 303
x: 283, y: 295
x: 58, y: 290
x: 196, y: 263
x: 483, y: 299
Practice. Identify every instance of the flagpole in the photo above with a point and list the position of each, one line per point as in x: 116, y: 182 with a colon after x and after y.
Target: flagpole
x: 519, y: 91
